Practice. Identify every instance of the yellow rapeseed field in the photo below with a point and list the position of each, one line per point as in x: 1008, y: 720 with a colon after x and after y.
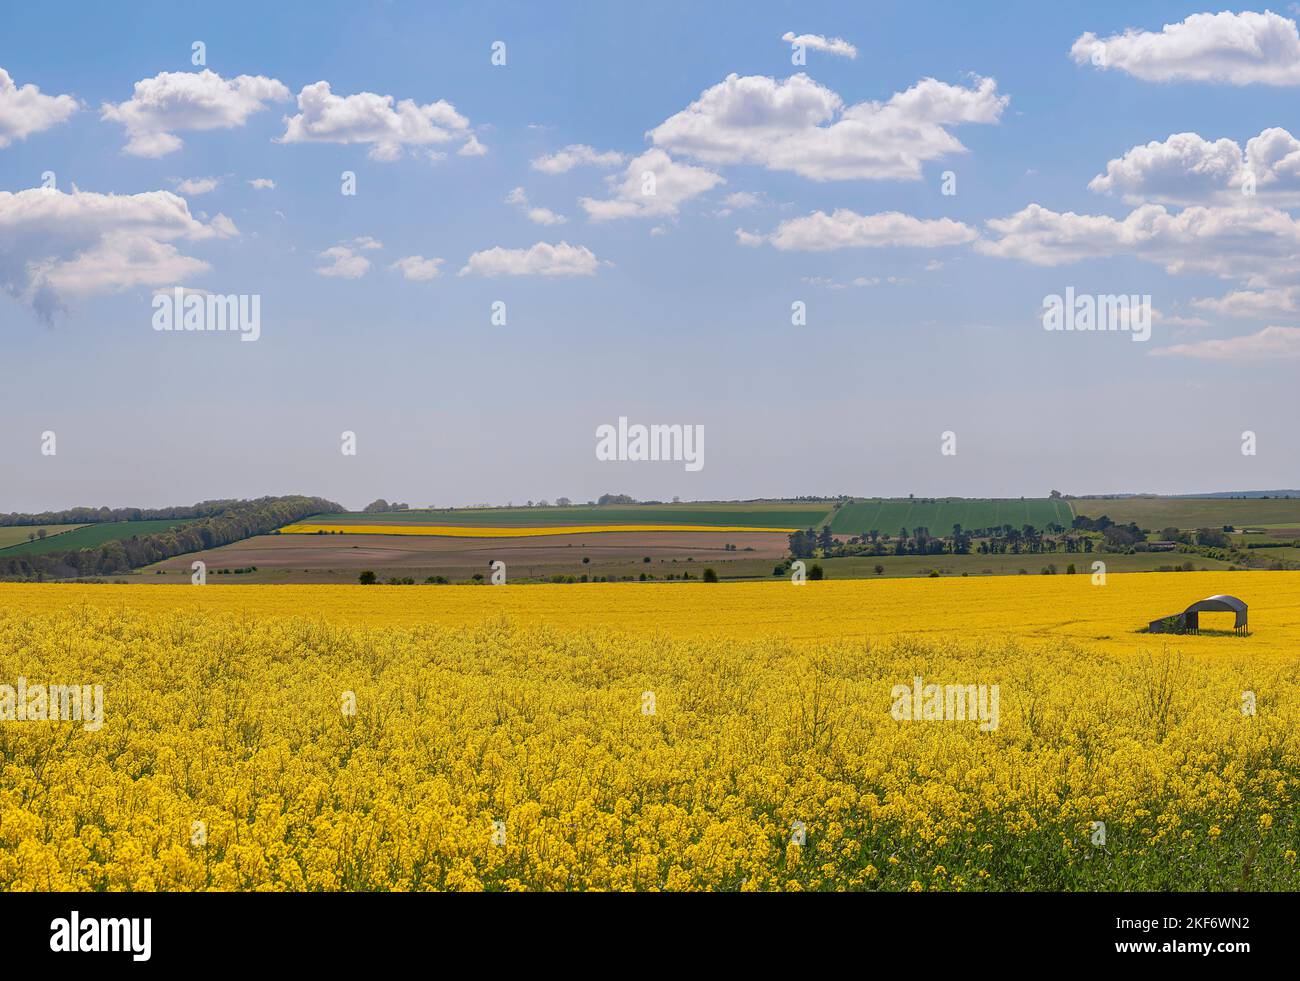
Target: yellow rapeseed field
x: 497, y: 531
x: 653, y: 736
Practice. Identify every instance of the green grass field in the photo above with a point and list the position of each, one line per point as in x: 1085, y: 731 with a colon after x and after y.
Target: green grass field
x: 92, y: 536
x: 14, y: 534
x: 1192, y: 512
x: 889, y: 514
x: 776, y: 515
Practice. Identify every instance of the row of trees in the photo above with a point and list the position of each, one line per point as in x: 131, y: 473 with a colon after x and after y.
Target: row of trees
x: 1083, y: 523
x: 803, y: 543
x: 92, y: 516
x: 1123, y: 536
x: 617, y: 499
x: 380, y: 506
x: 1209, y: 537
x: 1029, y: 540
x: 238, y: 520
x: 1003, y: 539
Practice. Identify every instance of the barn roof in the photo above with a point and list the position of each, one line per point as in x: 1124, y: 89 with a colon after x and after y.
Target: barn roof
x: 1221, y: 603
x: 1218, y: 604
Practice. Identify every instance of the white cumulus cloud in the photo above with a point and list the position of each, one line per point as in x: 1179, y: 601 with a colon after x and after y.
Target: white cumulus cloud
x: 25, y: 110
x: 1257, y: 244
x: 57, y: 247
x: 653, y: 185
x: 818, y: 42
x: 472, y: 148
x: 194, y: 186
x: 342, y: 262
x: 1258, y: 304
x: 537, y: 215
x: 1268, y: 344
x: 387, y: 125
x: 1188, y: 169
x: 820, y: 232
x: 1237, y: 49
x: 418, y: 269
x: 174, y: 101
x: 545, y: 216
x: 542, y: 259
x: 800, y: 126
x: 575, y: 155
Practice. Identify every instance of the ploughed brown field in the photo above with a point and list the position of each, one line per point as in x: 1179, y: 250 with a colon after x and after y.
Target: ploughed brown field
x: 339, y: 558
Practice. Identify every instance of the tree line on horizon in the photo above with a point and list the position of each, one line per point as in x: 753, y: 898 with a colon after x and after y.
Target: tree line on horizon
x: 999, y: 539
x: 236, y: 520
x: 104, y: 515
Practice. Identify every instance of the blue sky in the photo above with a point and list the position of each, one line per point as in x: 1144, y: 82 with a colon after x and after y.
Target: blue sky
x: 922, y: 317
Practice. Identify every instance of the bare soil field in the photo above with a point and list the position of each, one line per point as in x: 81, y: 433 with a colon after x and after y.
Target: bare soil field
x: 340, y: 558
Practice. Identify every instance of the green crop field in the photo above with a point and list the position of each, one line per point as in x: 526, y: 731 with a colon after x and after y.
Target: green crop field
x: 1192, y: 512
x: 764, y: 515
x: 14, y: 534
x: 888, y: 515
x: 92, y: 536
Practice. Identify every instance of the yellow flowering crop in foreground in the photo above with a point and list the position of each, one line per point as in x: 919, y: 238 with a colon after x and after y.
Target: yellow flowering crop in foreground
x: 496, y: 531
x: 672, y: 737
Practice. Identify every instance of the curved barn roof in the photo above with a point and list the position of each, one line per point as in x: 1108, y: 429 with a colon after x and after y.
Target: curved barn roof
x: 1220, y: 603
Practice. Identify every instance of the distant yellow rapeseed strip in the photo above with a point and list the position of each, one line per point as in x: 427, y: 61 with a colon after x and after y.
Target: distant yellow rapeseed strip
x: 535, y: 531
